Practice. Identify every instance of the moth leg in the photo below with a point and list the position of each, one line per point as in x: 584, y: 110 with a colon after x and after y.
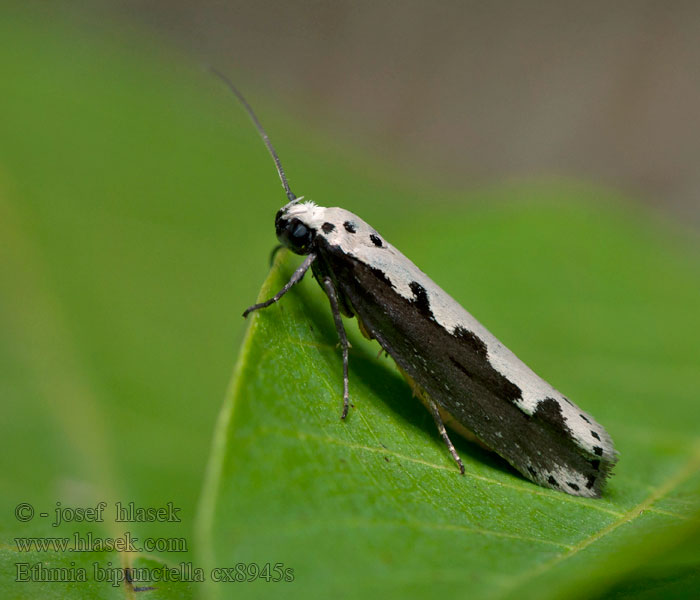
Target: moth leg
x: 443, y: 432
x: 296, y: 278
x: 130, y: 582
x: 333, y: 297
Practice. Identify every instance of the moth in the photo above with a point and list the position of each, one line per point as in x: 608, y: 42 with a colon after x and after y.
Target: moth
x: 468, y: 380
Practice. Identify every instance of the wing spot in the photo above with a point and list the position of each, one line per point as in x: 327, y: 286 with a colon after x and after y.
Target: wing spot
x: 595, y: 435
x: 585, y: 419
x: 420, y: 300
x: 328, y: 227
x: 573, y: 486
x: 549, y: 410
x: 474, y: 341
x: 552, y: 481
x: 376, y: 240
x: 597, y: 450
x: 591, y: 482
x: 595, y: 463
x: 350, y: 227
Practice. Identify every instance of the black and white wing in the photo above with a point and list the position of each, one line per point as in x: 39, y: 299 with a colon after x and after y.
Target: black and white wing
x: 458, y: 363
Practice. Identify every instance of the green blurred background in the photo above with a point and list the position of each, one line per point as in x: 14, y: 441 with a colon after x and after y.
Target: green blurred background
x: 136, y: 200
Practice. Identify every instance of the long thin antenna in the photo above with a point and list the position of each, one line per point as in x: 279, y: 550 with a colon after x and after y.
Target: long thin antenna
x: 261, y: 131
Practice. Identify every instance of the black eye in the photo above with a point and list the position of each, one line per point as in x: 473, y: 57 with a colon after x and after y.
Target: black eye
x: 295, y: 235
x: 298, y: 232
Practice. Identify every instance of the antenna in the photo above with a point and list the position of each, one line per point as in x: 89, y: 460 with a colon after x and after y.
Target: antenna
x: 261, y: 131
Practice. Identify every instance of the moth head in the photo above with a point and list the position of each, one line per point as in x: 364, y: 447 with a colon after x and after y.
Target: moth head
x: 293, y: 230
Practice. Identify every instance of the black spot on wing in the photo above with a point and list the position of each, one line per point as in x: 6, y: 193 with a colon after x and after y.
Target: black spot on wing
x: 595, y: 435
x: 420, y: 300
x: 376, y: 240
x: 472, y: 340
x: 350, y: 227
x: 585, y: 419
x: 552, y: 481
x: 595, y: 463
x: 591, y: 482
x: 597, y: 450
x: 573, y: 486
x: 327, y: 227
x: 549, y: 411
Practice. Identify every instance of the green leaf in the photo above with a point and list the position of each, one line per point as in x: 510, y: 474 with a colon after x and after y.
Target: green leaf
x: 593, y: 297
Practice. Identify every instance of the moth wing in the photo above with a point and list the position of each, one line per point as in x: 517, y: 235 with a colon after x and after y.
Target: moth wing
x: 490, y: 394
